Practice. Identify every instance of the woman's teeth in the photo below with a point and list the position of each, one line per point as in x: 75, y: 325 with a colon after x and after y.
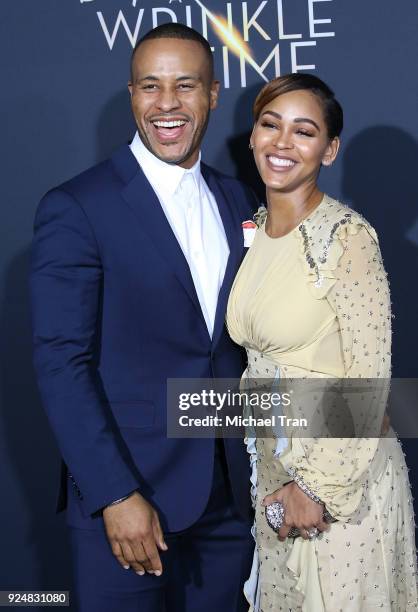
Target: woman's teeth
x: 280, y: 162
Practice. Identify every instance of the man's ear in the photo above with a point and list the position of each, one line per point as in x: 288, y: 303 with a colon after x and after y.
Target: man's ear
x: 214, y: 94
x: 130, y: 88
x: 331, y: 152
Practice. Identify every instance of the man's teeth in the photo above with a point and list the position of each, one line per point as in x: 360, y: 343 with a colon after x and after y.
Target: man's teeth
x: 168, y: 124
x: 280, y: 162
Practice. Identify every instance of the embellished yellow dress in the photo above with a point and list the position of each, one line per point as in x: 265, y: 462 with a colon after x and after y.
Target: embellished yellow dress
x: 315, y: 304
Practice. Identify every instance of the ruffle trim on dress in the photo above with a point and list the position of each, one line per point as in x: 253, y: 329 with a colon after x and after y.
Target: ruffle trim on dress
x: 303, y: 563
x: 331, y: 223
x: 260, y: 216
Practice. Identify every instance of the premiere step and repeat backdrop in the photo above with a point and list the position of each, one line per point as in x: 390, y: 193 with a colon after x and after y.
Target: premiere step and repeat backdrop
x: 65, y: 105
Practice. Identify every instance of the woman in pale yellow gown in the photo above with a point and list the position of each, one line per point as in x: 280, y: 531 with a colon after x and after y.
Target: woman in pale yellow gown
x: 311, y: 300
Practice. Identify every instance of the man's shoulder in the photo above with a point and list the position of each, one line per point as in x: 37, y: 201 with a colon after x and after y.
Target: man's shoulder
x: 103, y: 178
x: 220, y: 176
x: 97, y: 178
x: 88, y: 179
x: 238, y: 188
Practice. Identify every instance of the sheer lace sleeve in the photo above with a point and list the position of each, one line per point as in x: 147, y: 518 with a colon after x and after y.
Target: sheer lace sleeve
x: 361, y: 301
x: 335, y: 469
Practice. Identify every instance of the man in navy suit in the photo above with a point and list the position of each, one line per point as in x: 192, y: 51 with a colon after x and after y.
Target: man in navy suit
x: 133, y: 261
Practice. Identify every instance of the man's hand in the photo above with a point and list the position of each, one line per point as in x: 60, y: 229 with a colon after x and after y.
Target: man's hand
x: 134, y: 533
x: 300, y: 510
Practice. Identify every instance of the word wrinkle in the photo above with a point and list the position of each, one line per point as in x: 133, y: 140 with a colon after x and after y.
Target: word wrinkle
x: 247, y: 41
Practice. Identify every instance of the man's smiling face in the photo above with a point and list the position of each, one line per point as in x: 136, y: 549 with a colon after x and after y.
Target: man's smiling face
x: 172, y: 94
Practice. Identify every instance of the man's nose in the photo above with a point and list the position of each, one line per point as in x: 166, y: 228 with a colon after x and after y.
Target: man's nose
x: 168, y: 100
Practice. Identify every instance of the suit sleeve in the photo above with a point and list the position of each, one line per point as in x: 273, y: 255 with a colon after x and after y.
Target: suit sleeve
x: 66, y: 283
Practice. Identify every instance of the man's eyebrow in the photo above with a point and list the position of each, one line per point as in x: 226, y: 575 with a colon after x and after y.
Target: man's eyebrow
x: 297, y: 120
x: 185, y: 77
x: 149, y: 77
x: 189, y: 77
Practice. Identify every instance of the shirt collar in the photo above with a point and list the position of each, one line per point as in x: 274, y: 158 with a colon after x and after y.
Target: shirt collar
x: 164, y: 178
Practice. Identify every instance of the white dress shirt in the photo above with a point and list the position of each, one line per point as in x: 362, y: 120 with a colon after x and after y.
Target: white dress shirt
x: 193, y: 215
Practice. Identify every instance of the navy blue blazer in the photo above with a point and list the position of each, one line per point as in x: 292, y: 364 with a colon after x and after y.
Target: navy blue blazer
x: 115, y: 313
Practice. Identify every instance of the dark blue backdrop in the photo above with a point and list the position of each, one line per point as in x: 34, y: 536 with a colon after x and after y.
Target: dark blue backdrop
x: 64, y: 105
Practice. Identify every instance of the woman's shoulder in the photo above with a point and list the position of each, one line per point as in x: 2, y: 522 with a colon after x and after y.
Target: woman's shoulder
x: 324, y: 237
x: 336, y: 218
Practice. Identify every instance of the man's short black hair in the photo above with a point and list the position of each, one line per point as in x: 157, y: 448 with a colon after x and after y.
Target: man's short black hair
x: 180, y: 31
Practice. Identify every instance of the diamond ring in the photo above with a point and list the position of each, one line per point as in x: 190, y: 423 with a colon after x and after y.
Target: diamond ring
x: 275, y: 515
x: 312, y: 532
x: 275, y: 519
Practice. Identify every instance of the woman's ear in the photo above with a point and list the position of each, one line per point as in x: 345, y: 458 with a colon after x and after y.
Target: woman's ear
x: 251, y: 143
x: 331, y: 152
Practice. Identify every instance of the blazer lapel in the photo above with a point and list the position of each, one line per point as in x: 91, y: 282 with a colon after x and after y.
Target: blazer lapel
x: 141, y: 198
x: 233, y: 231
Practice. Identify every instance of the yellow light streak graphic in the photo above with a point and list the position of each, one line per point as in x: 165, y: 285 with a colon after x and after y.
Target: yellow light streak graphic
x: 232, y: 38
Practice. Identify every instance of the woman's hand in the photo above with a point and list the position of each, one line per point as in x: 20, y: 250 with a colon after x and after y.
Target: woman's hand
x: 300, y: 511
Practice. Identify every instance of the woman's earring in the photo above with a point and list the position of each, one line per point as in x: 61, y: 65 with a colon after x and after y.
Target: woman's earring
x: 251, y: 146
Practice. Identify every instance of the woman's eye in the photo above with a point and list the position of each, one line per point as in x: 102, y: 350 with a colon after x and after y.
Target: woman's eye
x: 268, y: 125
x: 304, y: 133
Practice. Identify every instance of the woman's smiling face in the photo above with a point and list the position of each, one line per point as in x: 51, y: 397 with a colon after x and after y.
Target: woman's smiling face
x: 290, y: 140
